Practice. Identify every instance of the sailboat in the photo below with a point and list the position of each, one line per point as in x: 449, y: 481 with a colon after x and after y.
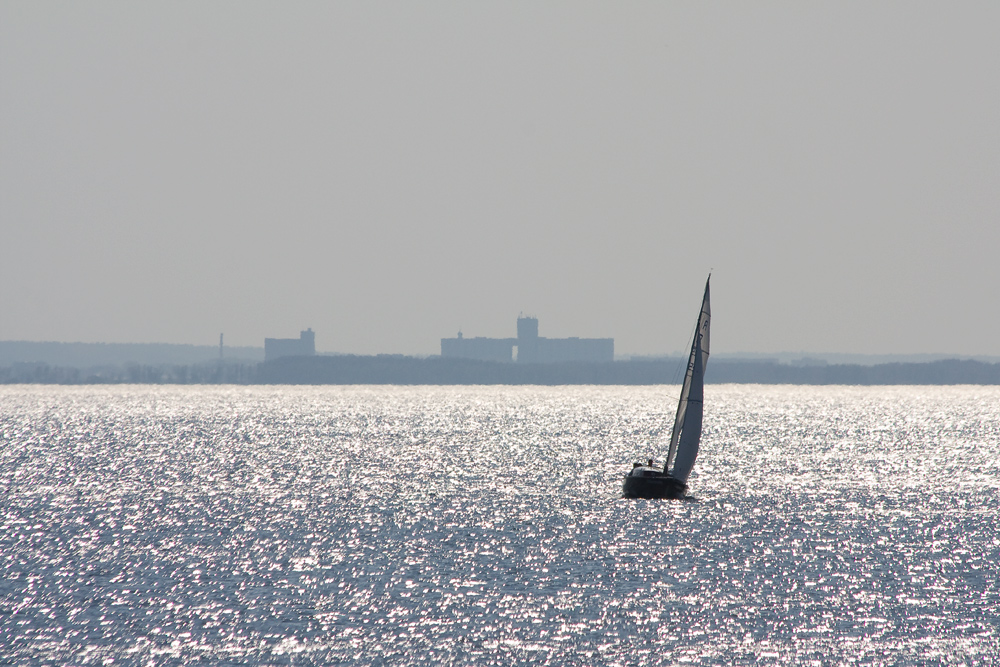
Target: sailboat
x: 649, y: 481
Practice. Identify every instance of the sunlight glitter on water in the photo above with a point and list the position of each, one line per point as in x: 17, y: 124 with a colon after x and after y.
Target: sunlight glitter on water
x: 482, y: 525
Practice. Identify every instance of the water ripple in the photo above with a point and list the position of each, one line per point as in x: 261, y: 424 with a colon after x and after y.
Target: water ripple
x: 481, y: 525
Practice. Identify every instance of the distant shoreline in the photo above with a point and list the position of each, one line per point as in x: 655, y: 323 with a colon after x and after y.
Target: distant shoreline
x: 404, y: 370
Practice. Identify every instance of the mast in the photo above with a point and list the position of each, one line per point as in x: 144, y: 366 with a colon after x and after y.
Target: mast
x: 687, y: 423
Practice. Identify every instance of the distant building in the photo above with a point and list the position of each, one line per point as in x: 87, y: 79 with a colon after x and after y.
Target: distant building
x: 303, y: 346
x: 531, y: 348
x: 484, y: 349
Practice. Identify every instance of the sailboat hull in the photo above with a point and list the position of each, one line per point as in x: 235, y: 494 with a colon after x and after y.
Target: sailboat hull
x: 653, y: 486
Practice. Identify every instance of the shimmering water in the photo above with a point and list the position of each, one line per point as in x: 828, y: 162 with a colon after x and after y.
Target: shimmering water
x: 482, y: 525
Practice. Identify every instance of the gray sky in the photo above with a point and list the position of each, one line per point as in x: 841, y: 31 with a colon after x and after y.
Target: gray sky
x: 387, y: 173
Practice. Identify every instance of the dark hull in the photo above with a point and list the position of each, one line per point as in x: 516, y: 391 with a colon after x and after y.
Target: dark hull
x: 660, y: 486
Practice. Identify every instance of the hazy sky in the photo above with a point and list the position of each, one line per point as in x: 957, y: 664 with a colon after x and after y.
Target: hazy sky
x: 388, y: 173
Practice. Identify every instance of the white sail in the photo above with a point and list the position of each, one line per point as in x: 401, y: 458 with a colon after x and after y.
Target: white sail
x: 687, y: 424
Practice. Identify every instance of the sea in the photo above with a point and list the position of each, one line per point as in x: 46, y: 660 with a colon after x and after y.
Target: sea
x: 483, y: 525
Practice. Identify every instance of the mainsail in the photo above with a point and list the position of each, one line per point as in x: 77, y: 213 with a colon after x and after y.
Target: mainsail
x: 687, y: 424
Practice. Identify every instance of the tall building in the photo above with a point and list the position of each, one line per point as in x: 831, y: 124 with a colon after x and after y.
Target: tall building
x: 303, y: 346
x: 530, y: 347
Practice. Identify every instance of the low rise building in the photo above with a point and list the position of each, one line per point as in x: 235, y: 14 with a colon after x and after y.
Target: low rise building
x: 529, y: 347
x: 303, y: 346
x: 484, y: 349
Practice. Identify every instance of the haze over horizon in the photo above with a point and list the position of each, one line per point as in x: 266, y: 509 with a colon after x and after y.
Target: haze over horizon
x: 388, y: 174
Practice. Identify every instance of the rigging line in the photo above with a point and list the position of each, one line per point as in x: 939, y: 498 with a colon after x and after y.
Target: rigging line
x: 694, y: 341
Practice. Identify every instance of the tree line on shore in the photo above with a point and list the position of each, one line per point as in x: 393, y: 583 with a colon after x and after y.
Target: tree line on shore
x: 397, y: 369
x: 41, y: 373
